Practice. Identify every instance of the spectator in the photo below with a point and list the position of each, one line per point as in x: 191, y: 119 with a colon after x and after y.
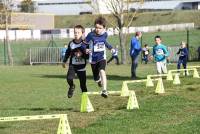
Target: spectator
x: 134, y: 53
x: 114, y: 55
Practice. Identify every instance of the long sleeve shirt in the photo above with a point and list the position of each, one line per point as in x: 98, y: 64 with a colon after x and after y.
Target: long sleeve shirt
x: 97, y: 45
x: 160, y: 52
x: 135, y: 47
x: 183, y: 53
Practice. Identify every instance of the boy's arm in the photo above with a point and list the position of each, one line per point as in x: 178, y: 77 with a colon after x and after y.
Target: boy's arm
x: 108, y: 45
x: 166, y: 53
x: 67, y: 54
x: 178, y: 51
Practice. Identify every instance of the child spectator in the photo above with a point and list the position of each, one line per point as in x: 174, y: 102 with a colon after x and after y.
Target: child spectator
x: 145, y: 53
x: 114, y: 56
x: 183, y: 55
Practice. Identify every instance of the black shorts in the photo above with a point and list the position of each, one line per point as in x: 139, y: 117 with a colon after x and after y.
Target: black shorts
x: 101, y: 65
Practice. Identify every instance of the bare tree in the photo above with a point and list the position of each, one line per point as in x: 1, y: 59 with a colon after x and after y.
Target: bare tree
x: 120, y: 9
x: 6, y: 12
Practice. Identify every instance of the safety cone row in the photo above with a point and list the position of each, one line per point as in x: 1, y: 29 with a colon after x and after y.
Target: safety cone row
x: 63, y: 127
x: 169, y: 76
x: 149, y: 82
x: 195, y: 74
x: 86, y: 105
x: 176, y: 79
x: 132, y: 101
x: 124, y: 91
x: 160, y: 88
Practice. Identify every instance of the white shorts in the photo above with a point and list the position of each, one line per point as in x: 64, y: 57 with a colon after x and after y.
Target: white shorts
x: 161, y: 67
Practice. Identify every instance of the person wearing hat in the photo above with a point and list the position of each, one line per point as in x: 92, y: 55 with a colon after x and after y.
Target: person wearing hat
x: 135, y: 49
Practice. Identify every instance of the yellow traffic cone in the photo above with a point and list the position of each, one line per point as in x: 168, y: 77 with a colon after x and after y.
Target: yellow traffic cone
x: 169, y: 76
x: 86, y: 105
x: 132, y: 101
x: 124, y: 91
x: 195, y: 74
x: 149, y: 82
x: 176, y: 80
x: 160, y: 88
x: 64, y: 127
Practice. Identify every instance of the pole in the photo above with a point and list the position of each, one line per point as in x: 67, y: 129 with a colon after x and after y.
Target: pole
x: 4, y: 46
x: 188, y: 34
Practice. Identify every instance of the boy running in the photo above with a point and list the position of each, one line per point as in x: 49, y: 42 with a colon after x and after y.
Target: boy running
x: 97, y: 53
x: 160, y: 54
x: 77, y: 53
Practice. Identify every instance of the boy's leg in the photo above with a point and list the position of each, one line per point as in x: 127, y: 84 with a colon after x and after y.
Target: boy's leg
x: 117, y: 60
x: 110, y: 59
x: 164, y: 66
x: 82, y: 79
x: 95, y: 72
x: 185, y: 65
x: 70, y: 77
x: 101, y: 66
x: 158, y: 66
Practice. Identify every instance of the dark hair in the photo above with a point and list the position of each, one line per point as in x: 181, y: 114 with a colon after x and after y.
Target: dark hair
x: 145, y: 45
x: 101, y: 21
x: 138, y: 33
x: 157, y: 36
x: 80, y: 27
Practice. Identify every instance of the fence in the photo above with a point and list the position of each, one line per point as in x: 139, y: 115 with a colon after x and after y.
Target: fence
x: 45, y: 55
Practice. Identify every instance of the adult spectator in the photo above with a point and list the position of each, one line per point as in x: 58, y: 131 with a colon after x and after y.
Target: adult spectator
x: 135, y: 50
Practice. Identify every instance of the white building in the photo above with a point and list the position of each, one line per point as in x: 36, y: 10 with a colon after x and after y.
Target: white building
x: 76, y: 7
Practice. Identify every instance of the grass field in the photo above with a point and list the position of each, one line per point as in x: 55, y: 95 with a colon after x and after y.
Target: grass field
x: 33, y: 90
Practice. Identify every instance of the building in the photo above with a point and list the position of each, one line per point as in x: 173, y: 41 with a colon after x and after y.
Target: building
x: 152, y: 5
x: 77, y: 7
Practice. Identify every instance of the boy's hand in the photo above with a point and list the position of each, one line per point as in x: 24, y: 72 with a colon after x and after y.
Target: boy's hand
x: 151, y: 57
x: 112, y: 50
x: 88, y: 51
x: 64, y: 65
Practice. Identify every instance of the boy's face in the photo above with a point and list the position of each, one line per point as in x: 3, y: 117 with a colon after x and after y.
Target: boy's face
x: 183, y: 45
x: 158, y: 40
x: 77, y: 33
x: 99, y: 29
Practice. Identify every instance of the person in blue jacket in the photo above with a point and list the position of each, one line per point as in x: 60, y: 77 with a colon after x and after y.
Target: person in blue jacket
x: 135, y: 50
x: 183, y: 55
x: 160, y: 54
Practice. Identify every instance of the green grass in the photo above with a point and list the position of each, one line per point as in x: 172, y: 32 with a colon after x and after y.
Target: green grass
x: 33, y: 90
x: 142, y: 19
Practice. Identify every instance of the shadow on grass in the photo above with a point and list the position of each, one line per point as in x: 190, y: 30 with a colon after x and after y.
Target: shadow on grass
x: 50, y: 109
x: 90, y: 77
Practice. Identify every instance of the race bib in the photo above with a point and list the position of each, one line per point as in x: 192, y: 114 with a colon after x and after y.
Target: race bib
x: 99, y: 47
x: 159, y: 52
x: 146, y: 52
x: 78, y: 61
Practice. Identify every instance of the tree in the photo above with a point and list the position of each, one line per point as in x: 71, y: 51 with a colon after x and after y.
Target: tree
x: 6, y: 13
x: 27, y: 6
x: 120, y: 9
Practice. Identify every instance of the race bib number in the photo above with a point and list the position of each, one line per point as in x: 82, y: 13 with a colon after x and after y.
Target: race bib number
x: 146, y: 52
x: 78, y: 61
x: 99, y: 47
x: 159, y: 52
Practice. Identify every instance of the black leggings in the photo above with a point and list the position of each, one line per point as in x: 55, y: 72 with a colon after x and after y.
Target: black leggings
x: 81, y: 76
